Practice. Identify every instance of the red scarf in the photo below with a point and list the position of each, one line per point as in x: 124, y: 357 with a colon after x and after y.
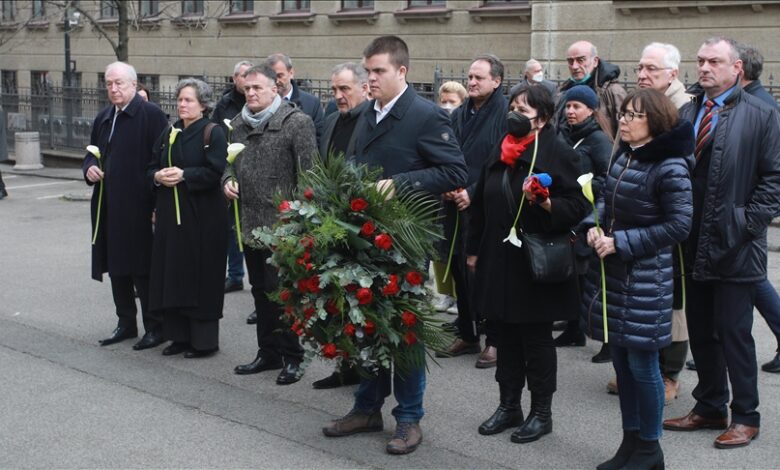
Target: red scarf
x: 512, y: 148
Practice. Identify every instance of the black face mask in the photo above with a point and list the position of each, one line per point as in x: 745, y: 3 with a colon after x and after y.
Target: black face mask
x: 517, y: 125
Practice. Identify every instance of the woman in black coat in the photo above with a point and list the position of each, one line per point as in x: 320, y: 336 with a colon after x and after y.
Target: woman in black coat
x: 189, y: 251
x: 646, y: 209
x: 524, y: 310
x: 587, y: 131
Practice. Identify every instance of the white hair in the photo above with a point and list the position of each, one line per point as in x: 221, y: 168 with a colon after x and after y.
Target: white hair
x: 672, y: 56
x: 243, y: 63
x: 530, y: 63
x: 126, y: 69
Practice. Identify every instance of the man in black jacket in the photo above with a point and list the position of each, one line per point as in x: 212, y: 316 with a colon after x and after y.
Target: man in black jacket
x: 479, y: 124
x: 289, y: 90
x: 736, y: 192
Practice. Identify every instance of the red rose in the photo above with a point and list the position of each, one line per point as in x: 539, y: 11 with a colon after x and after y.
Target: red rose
x: 369, y: 327
x: 307, y: 242
x: 367, y: 229
x: 314, y: 284
x: 414, y: 278
x: 297, y: 328
x: 309, y: 311
x: 345, y: 354
x: 331, y: 307
x: 288, y: 310
x: 410, y: 338
x: 364, y: 296
x: 383, y: 241
x: 392, y: 287
x: 329, y: 350
x: 309, y: 266
x: 408, y: 318
x: 349, y: 329
x: 358, y: 205
x: 284, y: 295
x: 284, y: 206
x: 308, y: 194
x: 303, y: 285
x: 351, y: 287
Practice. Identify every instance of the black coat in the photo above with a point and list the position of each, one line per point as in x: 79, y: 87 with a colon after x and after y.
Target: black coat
x: 124, y: 243
x: 228, y: 107
x: 188, y: 260
x: 478, y: 135
x: 504, y: 289
x: 594, y: 147
x: 414, y: 145
x: 647, y: 209
x: 310, y: 105
x: 330, y: 124
x: 741, y: 191
x: 756, y: 89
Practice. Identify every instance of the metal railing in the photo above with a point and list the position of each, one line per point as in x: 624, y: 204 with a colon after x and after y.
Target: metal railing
x: 64, y: 115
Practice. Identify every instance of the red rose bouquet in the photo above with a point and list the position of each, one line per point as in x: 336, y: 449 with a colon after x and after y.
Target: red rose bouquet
x: 352, y: 268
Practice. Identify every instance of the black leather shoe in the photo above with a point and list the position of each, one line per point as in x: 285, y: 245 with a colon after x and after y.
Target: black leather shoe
x: 291, y: 373
x: 260, y: 364
x: 773, y: 365
x: 121, y: 333
x: 338, y: 379
x: 233, y: 286
x: 199, y: 353
x: 150, y: 340
x: 3, y: 193
x: 175, y: 348
x: 690, y: 365
x: 602, y: 356
x: 252, y: 318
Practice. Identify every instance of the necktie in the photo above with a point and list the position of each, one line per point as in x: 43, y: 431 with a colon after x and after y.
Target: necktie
x: 705, y: 129
x: 113, y: 123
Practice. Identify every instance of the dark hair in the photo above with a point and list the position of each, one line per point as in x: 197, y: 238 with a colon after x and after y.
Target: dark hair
x: 538, y: 98
x: 496, y: 66
x: 752, y: 62
x: 261, y: 69
x: 661, y: 112
x: 394, y: 46
x: 140, y: 87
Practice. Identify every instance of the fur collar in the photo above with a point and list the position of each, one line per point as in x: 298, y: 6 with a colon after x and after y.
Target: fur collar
x: 679, y: 141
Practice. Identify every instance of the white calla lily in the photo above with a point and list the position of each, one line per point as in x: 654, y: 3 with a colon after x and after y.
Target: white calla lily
x: 233, y: 150
x: 174, y: 132
x: 512, y: 238
x: 227, y: 124
x: 94, y: 150
x: 586, y: 181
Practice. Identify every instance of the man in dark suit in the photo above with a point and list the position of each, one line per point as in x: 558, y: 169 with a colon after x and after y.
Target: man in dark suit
x: 289, y: 90
x: 411, y: 140
x: 125, y: 133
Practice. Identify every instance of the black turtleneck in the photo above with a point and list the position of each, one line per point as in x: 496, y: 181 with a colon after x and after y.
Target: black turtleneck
x: 342, y: 132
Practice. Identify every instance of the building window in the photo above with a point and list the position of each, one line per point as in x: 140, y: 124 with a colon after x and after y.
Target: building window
x: 10, y: 91
x: 151, y: 82
x: 357, y: 4
x: 502, y: 2
x: 242, y: 6
x: 108, y: 10
x: 39, y: 82
x: 427, y: 3
x: 38, y: 9
x: 295, y: 5
x: 148, y: 8
x: 192, y: 7
x: 8, y: 10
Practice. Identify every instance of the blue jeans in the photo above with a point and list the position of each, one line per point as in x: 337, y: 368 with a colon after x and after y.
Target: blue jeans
x: 408, y: 389
x: 641, y: 390
x: 768, y: 305
x: 235, y: 259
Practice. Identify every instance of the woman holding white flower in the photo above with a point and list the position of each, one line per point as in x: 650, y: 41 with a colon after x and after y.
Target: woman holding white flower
x: 645, y: 209
x: 189, y: 251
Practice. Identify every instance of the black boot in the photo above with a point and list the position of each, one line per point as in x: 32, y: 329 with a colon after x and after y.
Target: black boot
x: 603, y: 355
x: 539, y: 420
x: 571, y: 336
x: 624, y: 452
x: 507, y: 415
x: 647, y: 456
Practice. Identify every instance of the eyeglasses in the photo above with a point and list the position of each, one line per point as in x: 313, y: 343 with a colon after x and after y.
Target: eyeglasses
x: 629, y: 115
x: 649, y: 68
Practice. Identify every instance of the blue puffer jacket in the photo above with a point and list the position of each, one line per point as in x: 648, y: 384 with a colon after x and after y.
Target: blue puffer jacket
x: 647, y: 207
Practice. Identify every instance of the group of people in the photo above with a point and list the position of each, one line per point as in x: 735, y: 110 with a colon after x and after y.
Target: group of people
x: 676, y: 225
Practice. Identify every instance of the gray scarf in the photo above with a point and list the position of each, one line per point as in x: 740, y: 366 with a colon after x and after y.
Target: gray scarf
x: 256, y: 120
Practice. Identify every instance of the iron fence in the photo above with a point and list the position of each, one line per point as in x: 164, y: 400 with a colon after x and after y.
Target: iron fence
x: 63, y: 115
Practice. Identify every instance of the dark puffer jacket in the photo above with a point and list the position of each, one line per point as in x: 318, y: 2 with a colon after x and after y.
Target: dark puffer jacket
x: 647, y: 207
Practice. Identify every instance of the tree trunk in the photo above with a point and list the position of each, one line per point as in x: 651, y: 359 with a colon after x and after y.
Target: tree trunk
x: 122, y: 49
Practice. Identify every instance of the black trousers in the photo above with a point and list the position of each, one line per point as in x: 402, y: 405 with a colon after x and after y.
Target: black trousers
x: 720, y: 320
x: 274, y: 337
x: 124, y: 300
x: 468, y: 316
x: 526, y: 353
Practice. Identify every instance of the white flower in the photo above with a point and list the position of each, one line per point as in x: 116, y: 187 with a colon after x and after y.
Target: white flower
x: 587, y: 186
x: 94, y: 150
x: 233, y: 150
x: 174, y: 132
x: 227, y: 124
x: 512, y: 238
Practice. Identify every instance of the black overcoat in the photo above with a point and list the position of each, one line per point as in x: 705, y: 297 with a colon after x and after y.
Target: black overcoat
x: 124, y: 243
x: 504, y: 289
x: 188, y: 260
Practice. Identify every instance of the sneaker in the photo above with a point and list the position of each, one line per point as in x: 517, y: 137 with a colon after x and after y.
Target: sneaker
x: 671, y: 390
x: 354, y: 422
x: 443, y: 303
x: 405, y: 440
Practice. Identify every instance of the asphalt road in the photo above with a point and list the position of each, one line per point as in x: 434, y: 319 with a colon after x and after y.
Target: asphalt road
x: 69, y: 403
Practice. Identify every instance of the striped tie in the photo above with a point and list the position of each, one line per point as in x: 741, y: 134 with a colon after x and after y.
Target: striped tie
x: 705, y: 129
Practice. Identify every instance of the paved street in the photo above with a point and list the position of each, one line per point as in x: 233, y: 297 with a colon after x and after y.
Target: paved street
x: 69, y: 403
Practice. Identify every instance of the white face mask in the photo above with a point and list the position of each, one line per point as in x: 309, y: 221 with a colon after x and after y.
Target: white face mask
x: 449, y: 107
x: 537, y: 77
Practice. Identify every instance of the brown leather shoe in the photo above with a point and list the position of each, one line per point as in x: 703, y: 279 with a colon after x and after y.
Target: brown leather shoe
x: 737, y: 435
x: 487, y: 359
x: 694, y: 422
x: 458, y: 348
x: 671, y: 390
x: 406, y: 438
x: 354, y: 422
